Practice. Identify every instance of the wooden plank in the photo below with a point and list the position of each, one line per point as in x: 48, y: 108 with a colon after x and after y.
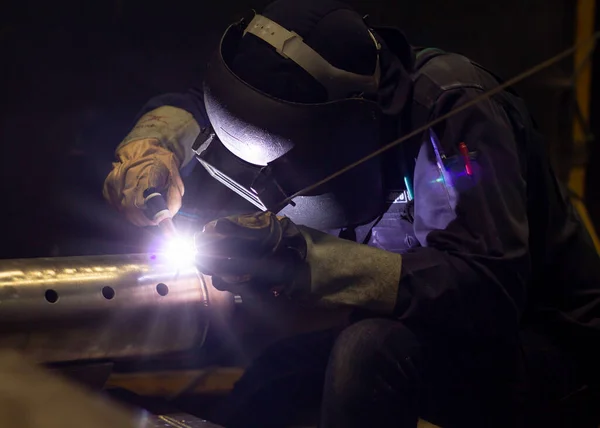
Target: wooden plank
x: 210, y: 381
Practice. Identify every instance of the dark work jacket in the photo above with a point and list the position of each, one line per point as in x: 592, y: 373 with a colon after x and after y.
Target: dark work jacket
x: 501, y: 247
x: 485, y: 252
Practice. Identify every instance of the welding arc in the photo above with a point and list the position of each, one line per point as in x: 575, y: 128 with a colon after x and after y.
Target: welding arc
x: 518, y: 78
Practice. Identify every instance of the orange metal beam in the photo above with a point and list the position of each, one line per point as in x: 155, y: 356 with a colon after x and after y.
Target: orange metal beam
x: 584, y: 28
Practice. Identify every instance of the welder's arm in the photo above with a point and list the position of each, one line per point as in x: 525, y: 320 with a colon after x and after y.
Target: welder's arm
x: 191, y: 101
x: 344, y: 273
x: 154, y: 152
x: 263, y: 253
x: 469, y: 276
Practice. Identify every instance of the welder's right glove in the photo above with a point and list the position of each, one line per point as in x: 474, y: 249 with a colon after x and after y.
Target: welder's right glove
x: 151, y: 156
x: 263, y: 253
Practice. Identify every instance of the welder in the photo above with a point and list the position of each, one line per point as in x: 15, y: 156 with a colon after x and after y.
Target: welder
x: 475, y: 287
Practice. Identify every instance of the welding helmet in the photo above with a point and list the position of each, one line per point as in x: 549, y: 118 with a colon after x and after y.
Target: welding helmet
x: 268, y: 148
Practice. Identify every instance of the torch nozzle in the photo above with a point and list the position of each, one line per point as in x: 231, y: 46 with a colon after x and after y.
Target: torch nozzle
x: 158, y: 211
x: 167, y: 227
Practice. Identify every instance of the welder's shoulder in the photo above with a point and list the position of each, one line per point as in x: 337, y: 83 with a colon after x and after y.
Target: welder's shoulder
x: 443, y: 72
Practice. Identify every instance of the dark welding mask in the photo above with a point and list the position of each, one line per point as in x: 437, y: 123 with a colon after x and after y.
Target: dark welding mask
x: 268, y: 149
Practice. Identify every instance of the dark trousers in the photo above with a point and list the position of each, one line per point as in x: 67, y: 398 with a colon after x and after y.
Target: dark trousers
x: 379, y: 373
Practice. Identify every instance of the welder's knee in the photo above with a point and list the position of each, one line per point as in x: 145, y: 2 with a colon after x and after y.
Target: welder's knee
x: 368, y: 350
x: 359, y: 344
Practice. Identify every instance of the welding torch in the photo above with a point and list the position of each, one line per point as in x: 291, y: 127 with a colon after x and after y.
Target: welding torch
x: 158, y: 211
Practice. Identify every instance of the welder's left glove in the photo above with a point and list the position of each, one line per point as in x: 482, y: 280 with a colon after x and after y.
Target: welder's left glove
x: 263, y: 253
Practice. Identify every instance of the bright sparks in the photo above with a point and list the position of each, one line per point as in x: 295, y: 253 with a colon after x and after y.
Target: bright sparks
x: 180, y: 251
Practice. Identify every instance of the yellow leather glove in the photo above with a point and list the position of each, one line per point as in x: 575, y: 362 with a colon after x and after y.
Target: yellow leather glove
x: 151, y: 156
x: 143, y: 164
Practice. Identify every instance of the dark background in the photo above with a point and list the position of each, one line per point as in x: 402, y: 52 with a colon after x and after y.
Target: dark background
x: 74, y: 74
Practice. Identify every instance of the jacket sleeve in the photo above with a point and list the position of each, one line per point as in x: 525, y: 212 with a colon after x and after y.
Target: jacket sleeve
x: 469, y: 276
x: 191, y: 101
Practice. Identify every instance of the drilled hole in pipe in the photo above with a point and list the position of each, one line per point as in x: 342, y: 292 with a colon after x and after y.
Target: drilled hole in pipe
x: 51, y: 296
x: 162, y: 289
x: 108, y: 292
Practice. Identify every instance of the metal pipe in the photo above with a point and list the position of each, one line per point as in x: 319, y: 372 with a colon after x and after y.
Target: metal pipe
x: 105, y: 307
